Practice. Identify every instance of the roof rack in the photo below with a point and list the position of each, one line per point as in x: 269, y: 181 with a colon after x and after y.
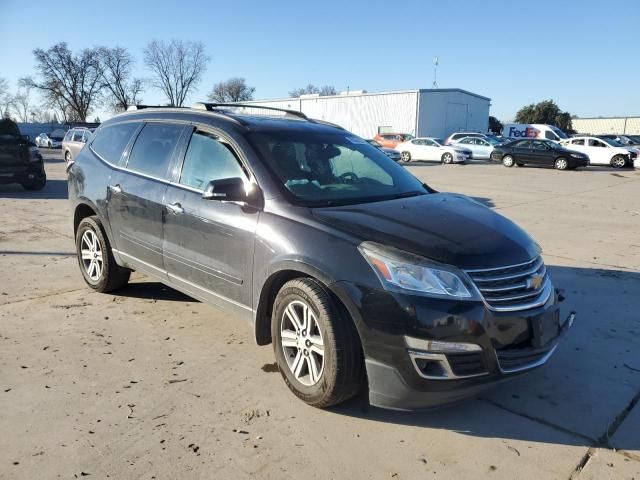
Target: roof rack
x: 133, y: 108
x: 212, y: 107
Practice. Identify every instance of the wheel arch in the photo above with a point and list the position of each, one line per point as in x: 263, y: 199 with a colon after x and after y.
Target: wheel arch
x: 285, y: 272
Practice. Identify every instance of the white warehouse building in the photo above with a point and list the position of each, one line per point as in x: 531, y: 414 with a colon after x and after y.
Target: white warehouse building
x: 434, y: 112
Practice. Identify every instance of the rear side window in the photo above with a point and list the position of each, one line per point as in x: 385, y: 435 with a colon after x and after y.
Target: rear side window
x: 578, y: 142
x: 77, y: 136
x: 151, y: 154
x: 208, y: 159
x: 110, y: 141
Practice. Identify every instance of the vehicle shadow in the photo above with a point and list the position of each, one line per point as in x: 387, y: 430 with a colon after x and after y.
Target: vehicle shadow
x: 584, y: 393
x: 154, y: 291
x: 53, y: 190
x: 487, y: 202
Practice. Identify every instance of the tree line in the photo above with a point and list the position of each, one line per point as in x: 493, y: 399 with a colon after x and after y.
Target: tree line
x: 75, y: 84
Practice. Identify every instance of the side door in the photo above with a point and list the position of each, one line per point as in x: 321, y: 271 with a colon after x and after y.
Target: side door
x: 540, y: 153
x: 208, y: 244
x: 599, y: 152
x: 136, y: 196
x: 483, y: 148
x: 578, y: 145
x: 430, y: 150
x: 522, y: 151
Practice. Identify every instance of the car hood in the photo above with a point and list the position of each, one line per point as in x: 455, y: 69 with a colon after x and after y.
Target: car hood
x: 447, y: 228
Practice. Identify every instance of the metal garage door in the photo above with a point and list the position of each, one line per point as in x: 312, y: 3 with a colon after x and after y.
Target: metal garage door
x: 456, y: 119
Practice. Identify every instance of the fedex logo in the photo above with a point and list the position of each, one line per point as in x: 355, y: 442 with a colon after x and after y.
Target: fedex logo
x: 528, y: 132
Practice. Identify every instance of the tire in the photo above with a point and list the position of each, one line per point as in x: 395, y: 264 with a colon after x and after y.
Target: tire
x: 37, y: 184
x: 561, y: 163
x: 508, y: 161
x: 67, y: 156
x: 447, y: 158
x: 49, y: 145
x: 405, y: 156
x: 520, y: 164
x: 618, y: 161
x: 339, y: 372
x: 110, y: 276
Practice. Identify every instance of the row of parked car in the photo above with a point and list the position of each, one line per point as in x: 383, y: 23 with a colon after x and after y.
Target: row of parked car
x: 70, y: 142
x: 617, y: 151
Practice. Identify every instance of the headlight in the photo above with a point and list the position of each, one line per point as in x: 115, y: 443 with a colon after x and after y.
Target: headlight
x: 577, y: 155
x: 402, y: 271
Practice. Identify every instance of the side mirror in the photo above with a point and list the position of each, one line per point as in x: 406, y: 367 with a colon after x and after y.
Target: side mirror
x: 229, y: 190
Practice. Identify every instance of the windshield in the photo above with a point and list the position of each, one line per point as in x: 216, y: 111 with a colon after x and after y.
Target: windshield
x: 613, y: 143
x: 439, y: 141
x: 333, y: 169
x: 559, y: 132
x: 408, y: 136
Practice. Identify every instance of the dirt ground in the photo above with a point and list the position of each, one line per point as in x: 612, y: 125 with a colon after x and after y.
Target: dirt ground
x: 151, y: 384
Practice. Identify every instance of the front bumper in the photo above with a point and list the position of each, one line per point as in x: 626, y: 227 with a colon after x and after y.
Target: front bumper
x: 21, y: 173
x: 405, y: 371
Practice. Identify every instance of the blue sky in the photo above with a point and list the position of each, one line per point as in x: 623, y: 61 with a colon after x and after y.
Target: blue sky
x: 583, y: 55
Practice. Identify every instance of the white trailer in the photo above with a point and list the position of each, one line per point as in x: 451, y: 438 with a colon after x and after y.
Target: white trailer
x: 422, y: 113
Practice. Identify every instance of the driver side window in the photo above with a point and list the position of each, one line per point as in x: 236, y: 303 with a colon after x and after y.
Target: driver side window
x: 208, y: 159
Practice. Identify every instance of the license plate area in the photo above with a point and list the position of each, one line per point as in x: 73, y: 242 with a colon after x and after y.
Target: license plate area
x: 545, y: 328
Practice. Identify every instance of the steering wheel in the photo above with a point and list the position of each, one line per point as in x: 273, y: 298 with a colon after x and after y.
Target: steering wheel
x: 349, y: 177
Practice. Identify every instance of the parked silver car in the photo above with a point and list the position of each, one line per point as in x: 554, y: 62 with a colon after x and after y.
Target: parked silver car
x: 73, y: 142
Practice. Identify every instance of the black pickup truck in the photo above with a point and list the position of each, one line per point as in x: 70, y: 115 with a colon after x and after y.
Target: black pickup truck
x: 20, y: 160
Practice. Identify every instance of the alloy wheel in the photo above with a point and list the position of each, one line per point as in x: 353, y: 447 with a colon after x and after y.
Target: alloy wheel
x: 405, y: 156
x: 92, y: 255
x: 447, y: 158
x: 302, y: 343
x: 619, y: 161
x: 561, y: 164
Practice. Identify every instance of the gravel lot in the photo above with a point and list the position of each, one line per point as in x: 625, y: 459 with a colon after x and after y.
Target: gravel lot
x: 149, y: 383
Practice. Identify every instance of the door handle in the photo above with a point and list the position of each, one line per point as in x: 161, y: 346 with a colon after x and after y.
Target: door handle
x: 115, y: 188
x: 175, y: 208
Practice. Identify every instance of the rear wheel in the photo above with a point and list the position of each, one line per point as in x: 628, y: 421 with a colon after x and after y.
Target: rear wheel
x: 561, y: 163
x: 98, y: 267
x: 618, y: 161
x: 508, y: 161
x: 316, y: 344
x: 405, y: 156
x: 447, y: 158
x: 36, y: 184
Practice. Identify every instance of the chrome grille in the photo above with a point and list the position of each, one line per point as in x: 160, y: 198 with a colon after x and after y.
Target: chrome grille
x: 516, y: 287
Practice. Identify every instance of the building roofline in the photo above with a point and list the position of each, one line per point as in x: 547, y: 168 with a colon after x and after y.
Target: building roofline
x: 388, y: 92
x: 628, y: 117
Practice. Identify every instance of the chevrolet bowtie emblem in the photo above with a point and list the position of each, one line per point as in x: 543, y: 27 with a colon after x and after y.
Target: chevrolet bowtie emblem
x: 534, y: 282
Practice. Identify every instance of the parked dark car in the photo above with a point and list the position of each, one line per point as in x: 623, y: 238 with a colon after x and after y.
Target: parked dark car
x: 538, y: 152
x: 389, y: 152
x: 355, y: 270
x: 20, y: 160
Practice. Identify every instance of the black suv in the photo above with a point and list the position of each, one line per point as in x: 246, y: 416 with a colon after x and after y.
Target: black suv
x: 20, y: 160
x: 355, y: 270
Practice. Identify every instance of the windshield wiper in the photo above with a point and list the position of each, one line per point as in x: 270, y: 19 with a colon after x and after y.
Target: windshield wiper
x: 408, y: 194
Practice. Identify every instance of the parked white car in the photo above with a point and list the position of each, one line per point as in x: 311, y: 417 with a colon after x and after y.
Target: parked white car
x: 601, y: 151
x: 433, y: 149
x: 44, y: 140
x: 481, y: 147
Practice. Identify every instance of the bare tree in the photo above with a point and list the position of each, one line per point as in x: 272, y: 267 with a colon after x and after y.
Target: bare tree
x: 116, y: 64
x: 177, y: 67
x: 22, y: 104
x: 311, y: 89
x: 73, y: 82
x: 7, y: 100
x: 233, y: 90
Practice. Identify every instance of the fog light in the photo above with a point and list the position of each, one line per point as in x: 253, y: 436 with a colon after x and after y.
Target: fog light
x: 439, y: 346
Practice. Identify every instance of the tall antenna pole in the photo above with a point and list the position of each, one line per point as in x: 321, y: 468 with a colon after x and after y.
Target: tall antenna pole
x: 435, y: 73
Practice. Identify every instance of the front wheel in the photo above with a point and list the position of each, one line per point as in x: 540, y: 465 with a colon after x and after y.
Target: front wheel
x: 98, y: 267
x: 447, y: 158
x: 67, y: 156
x: 618, y: 161
x: 405, y: 156
x: 508, y: 161
x: 316, y: 344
